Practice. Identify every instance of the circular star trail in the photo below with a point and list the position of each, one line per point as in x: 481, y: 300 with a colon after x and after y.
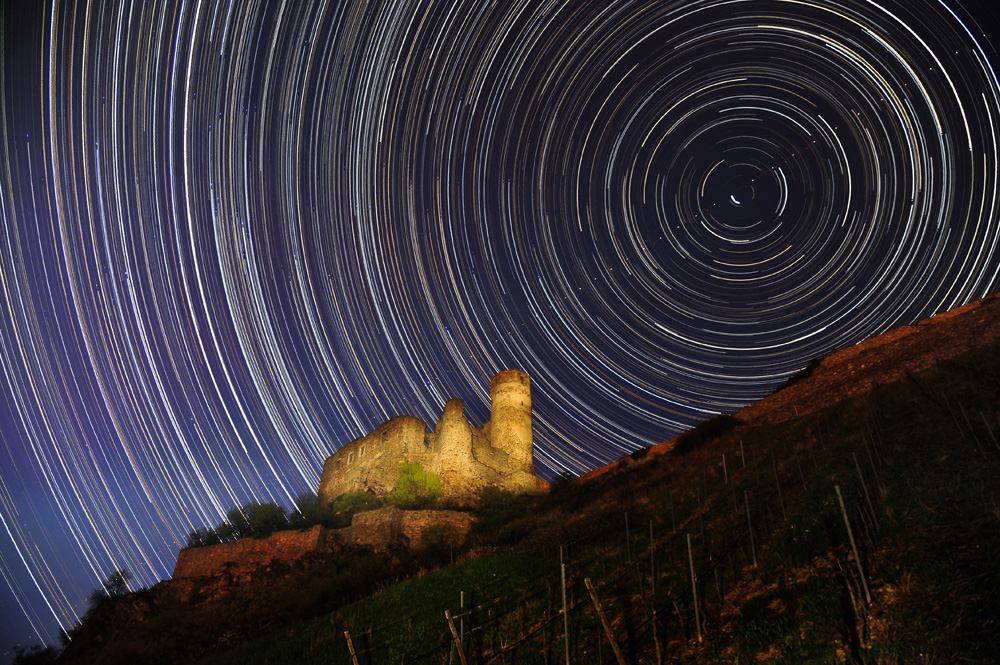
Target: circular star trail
x: 238, y: 235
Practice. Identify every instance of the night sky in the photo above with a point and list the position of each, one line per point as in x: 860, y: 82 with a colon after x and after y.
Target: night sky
x: 237, y: 236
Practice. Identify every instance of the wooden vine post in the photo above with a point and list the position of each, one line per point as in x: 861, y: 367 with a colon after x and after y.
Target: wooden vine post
x: 565, y: 611
x: 854, y: 547
x: 694, y: 589
x: 458, y: 640
x: 350, y: 647
x: 604, y: 621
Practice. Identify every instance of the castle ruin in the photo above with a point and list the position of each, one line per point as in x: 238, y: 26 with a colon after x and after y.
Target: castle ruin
x: 466, y: 459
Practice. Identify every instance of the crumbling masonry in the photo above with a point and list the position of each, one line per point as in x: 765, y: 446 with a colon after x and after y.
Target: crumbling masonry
x: 466, y: 459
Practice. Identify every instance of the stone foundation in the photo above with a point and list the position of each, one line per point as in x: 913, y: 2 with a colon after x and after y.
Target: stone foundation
x: 247, y: 553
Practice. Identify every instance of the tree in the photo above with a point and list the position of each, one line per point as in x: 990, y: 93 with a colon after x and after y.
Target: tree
x: 343, y: 508
x: 237, y: 523
x: 114, y: 586
x: 265, y: 518
x: 35, y: 654
x: 201, y: 537
x: 310, y: 512
x: 252, y: 519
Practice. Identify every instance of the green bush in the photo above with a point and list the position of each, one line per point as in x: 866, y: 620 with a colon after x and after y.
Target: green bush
x: 416, y: 488
x: 309, y: 512
x: 250, y: 519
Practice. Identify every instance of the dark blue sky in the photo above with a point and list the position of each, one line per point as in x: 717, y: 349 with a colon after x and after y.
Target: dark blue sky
x: 236, y: 239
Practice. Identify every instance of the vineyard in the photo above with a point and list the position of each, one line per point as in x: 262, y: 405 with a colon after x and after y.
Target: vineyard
x: 868, y: 531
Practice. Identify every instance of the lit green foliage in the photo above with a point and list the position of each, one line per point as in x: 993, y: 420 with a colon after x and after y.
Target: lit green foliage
x: 416, y: 488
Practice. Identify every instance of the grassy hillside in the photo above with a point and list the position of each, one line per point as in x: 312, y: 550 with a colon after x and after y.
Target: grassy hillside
x: 755, y: 512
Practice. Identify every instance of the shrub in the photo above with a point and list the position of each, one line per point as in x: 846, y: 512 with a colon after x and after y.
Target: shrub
x: 496, y: 508
x: 416, y: 488
x: 266, y: 518
x: 114, y: 585
x: 343, y: 508
x: 250, y: 519
x: 436, y: 544
x: 637, y: 455
x: 309, y: 512
x: 201, y: 537
x: 704, y: 432
x: 34, y: 655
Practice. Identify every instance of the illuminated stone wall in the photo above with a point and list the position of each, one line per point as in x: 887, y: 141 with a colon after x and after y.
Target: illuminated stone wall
x: 465, y: 458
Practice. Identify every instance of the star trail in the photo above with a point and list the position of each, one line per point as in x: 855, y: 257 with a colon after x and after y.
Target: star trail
x: 238, y: 235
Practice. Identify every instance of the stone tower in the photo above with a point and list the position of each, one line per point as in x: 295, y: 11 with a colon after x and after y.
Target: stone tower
x: 510, y: 418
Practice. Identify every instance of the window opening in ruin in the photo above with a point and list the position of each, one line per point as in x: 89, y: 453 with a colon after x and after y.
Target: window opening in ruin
x: 350, y: 457
x: 362, y: 453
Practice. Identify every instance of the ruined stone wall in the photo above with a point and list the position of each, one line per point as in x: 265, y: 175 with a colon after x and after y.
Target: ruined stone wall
x: 415, y: 521
x: 389, y: 526
x: 379, y: 530
x: 465, y: 459
x: 372, y: 462
x: 250, y: 553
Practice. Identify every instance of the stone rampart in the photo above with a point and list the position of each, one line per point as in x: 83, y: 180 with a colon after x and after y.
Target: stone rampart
x: 389, y: 527
x: 415, y: 521
x: 248, y: 553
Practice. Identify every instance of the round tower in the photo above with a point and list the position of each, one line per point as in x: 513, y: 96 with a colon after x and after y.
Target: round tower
x: 510, y: 418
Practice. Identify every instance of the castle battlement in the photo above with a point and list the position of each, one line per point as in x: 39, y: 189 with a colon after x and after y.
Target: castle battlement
x: 467, y: 459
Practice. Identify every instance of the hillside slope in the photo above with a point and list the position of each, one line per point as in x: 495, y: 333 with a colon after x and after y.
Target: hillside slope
x: 853, y: 516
